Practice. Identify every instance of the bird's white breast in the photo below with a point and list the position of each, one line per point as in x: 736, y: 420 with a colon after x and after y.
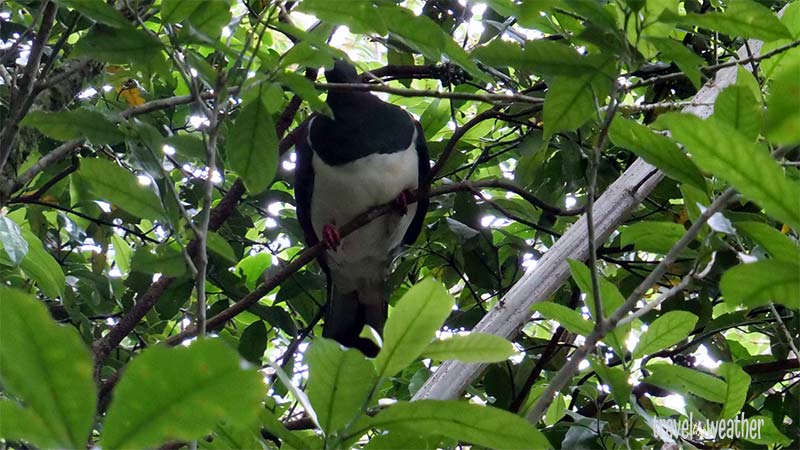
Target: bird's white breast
x: 342, y: 192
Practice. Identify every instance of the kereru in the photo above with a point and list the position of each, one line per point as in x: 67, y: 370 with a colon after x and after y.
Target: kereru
x: 370, y: 153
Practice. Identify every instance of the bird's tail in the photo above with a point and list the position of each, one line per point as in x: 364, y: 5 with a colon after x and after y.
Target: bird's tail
x: 348, y: 312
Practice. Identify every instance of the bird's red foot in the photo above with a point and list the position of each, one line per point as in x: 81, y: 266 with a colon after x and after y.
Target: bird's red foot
x: 331, y: 236
x: 402, y: 201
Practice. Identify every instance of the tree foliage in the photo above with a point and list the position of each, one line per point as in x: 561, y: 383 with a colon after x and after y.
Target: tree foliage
x: 155, y: 286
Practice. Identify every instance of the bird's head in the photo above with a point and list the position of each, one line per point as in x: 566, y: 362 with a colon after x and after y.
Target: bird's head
x: 342, y: 72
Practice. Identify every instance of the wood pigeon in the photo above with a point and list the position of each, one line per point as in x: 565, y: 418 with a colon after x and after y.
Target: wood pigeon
x: 370, y: 153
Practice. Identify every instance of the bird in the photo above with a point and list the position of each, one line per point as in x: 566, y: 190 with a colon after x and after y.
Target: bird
x: 369, y: 153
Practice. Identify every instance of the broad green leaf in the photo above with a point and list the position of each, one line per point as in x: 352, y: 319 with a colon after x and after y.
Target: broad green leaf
x: 269, y: 422
x: 358, y: 15
x: 398, y: 441
x: 13, y: 243
x: 176, y: 11
x: 472, y: 347
x: 253, y: 342
x: 687, y: 60
x: 476, y: 424
x: 253, y: 267
x: 122, y: 253
x: 234, y: 437
x: 181, y: 393
x: 777, y: 63
x: 164, y: 259
x: 748, y: 166
x: 656, y: 149
x: 570, y: 319
x: 547, y: 58
x: 684, y: 380
x: 412, y: 325
x: 339, y: 382
x: 253, y: 147
x: 616, y: 378
x: 119, y: 46
x: 109, y: 182
x: 42, y: 268
x: 758, y: 283
x: 665, y: 331
x: 655, y: 237
x: 219, y: 245
x: 744, y: 18
x: 48, y: 367
x: 737, y: 106
x: 208, y: 17
x: 768, y: 434
x: 98, y: 11
x: 738, y: 383
x: 568, y: 104
x: 19, y: 424
x: 777, y: 244
x: 306, y: 55
x: 783, y: 107
x: 610, y: 296
x: 76, y: 124
x: 305, y: 89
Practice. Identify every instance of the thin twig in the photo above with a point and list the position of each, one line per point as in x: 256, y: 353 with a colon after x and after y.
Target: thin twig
x: 35, y: 201
x: 712, y: 69
x: 782, y: 326
x: 486, y: 98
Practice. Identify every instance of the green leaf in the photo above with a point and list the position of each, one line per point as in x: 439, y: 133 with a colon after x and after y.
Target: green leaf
x: 655, y: 237
x: 19, y: 424
x: 758, y: 283
x: 234, y: 437
x: 744, y: 18
x: 164, y: 259
x: 738, y: 383
x: 737, y: 106
x: 253, y: 342
x: 208, y: 17
x: 687, y: 60
x: 97, y: 11
x: 768, y: 433
x: 181, y: 393
x: 176, y: 11
x: 568, y: 104
x: 13, y: 244
x: 109, y: 182
x: 42, y: 268
x: 119, y: 46
x: 748, y: 166
x: 339, y: 382
x: 301, y: 86
x: 656, y: 149
x: 611, y: 300
x: 76, y: 124
x: 570, y: 319
x: 472, y: 347
x: 122, y: 253
x: 665, y: 331
x: 253, y: 147
x: 546, y: 58
x: 615, y: 377
x: 778, y: 62
x: 48, y: 367
x: 412, y: 325
x: 358, y: 15
x: 683, y: 380
x: 777, y: 244
x: 219, y: 245
x: 476, y: 424
x: 783, y: 107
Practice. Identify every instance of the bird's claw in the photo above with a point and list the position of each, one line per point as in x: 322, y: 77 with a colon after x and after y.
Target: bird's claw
x: 331, y: 236
x: 402, y: 201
